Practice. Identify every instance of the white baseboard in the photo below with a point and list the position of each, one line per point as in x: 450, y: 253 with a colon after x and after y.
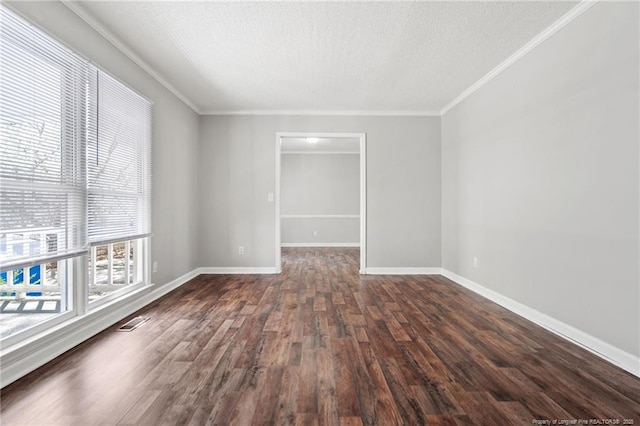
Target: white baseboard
x: 320, y: 245
x: 403, y: 271
x: 236, y: 270
x: 604, y: 350
x: 24, y: 357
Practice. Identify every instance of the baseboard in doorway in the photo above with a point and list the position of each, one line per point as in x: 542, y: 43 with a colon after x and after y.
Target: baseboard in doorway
x: 403, y: 271
x: 236, y: 270
x: 320, y: 245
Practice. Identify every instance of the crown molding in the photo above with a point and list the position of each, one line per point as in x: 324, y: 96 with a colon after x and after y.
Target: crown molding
x: 363, y: 113
x: 578, y: 10
x: 83, y: 14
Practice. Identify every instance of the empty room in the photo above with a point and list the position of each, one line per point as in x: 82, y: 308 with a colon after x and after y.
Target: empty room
x: 319, y: 212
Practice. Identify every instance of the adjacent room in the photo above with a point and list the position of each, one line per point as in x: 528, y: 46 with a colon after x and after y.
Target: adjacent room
x: 309, y: 212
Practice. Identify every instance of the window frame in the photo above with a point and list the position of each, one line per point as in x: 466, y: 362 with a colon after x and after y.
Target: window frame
x: 65, y: 184
x: 68, y: 265
x: 74, y: 265
x: 139, y: 262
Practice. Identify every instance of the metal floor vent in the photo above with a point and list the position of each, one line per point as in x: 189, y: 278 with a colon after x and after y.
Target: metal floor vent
x: 133, y: 324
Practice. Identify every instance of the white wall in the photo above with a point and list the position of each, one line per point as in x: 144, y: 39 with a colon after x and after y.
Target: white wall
x: 320, y: 185
x: 237, y: 170
x: 540, y: 174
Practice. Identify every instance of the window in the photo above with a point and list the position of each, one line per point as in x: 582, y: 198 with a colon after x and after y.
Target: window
x: 119, y: 171
x: 74, y: 180
x: 42, y: 174
x: 115, y: 268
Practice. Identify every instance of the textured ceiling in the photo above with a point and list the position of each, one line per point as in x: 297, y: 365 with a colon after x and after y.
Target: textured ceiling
x: 328, y: 56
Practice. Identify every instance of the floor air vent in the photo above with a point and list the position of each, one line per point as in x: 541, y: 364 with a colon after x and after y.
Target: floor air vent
x: 133, y: 324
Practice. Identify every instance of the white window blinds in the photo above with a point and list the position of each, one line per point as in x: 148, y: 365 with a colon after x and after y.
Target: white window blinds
x: 42, y: 146
x: 75, y: 151
x: 119, y: 161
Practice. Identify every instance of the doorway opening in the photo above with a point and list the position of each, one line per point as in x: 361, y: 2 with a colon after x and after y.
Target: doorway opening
x: 310, y: 148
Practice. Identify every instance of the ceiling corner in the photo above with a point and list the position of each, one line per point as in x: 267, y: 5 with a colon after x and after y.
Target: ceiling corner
x: 82, y: 13
x: 566, y: 19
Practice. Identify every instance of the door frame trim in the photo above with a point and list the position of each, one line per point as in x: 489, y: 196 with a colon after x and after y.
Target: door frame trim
x: 362, y: 137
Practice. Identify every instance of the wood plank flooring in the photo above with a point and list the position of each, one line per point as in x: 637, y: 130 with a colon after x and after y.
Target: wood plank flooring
x: 321, y: 345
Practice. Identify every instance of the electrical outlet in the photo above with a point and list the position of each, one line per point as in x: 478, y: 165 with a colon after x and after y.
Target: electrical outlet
x: 241, y: 250
x: 315, y: 233
x: 155, y: 266
x: 475, y: 262
x: 270, y: 197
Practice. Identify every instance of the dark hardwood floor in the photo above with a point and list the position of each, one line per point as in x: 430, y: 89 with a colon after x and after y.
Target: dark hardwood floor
x: 319, y: 344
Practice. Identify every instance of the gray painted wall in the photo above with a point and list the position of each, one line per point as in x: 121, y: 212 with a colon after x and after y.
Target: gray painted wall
x: 237, y: 170
x: 330, y: 232
x: 175, y: 138
x: 320, y: 184
x: 540, y: 175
